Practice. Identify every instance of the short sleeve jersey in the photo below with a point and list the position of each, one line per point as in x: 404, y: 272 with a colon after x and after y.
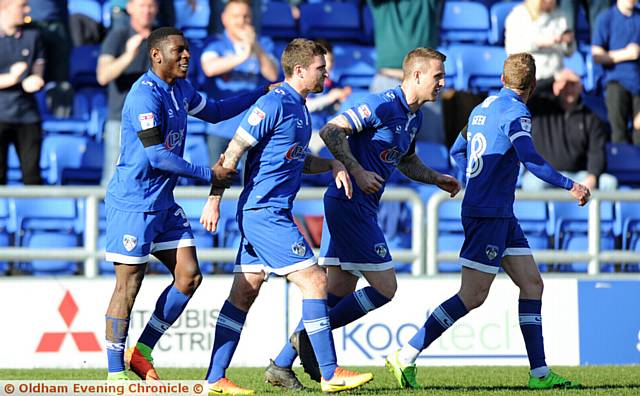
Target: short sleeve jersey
x: 278, y: 127
x: 136, y: 186
x: 384, y: 131
x: 492, y: 162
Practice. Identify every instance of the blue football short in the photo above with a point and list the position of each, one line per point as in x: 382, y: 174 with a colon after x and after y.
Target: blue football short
x: 271, y: 243
x: 352, y: 238
x: 488, y: 240
x: 132, y: 236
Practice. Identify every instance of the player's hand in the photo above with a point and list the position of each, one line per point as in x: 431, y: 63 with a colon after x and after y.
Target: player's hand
x: 341, y: 176
x: 449, y: 184
x: 211, y: 213
x: 580, y: 193
x: 133, y: 44
x: 32, y: 84
x: 369, y: 182
x: 222, y: 177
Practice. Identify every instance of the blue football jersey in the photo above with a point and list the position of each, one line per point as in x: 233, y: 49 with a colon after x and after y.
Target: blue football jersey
x: 278, y: 127
x: 384, y: 132
x: 492, y: 162
x: 136, y: 186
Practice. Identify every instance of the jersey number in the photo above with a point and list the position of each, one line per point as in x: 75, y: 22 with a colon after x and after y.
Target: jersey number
x: 478, y: 145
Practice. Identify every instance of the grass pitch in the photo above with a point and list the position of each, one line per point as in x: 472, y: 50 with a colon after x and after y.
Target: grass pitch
x: 597, y: 380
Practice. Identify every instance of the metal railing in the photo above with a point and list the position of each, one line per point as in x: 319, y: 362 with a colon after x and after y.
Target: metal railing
x: 594, y: 256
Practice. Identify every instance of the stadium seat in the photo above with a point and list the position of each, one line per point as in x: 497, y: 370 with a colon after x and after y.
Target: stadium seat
x: 450, y: 67
x: 355, y: 65
x: 498, y: 13
x: 194, y: 23
x: 583, y: 32
x: 195, y: 74
x: 357, y: 95
x: 623, y: 161
x: 106, y: 14
x: 367, y: 25
x: 90, y: 8
x: 434, y: 155
x: 72, y: 160
x: 228, y: 231
x: 197, y: 153
x: 464, y: 22
x: 82, y: 71
x: 479, y: 67
x: 449, y: 243
x: 277, y: 21
x: 627, y: 223
x: 331, y: 20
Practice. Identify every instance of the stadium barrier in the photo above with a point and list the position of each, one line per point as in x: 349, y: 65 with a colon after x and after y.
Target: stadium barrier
x: 424, y: 257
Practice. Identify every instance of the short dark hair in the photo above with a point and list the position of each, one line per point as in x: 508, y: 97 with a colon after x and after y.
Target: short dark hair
x: 228, y: 3
x: 326, y: 44
x: 160, y: 34
x: 301, y: 52
x: 420, y: 56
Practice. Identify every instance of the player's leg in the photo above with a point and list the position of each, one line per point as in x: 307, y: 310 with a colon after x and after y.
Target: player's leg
x: 174, y: 246
x: 312, y: 282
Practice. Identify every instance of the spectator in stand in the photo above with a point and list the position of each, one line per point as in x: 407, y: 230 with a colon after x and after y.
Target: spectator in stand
x: 21, y: 75
x: 569, y: 136
x: 592, y: 8
x: 52, y: 18
x: 616, y: 45
x: 122, y: 61
x: 399, y: 27
x: 235, y: 61
x: 540, y: 28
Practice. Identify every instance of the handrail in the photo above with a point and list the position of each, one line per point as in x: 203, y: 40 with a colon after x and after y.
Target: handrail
x: 594, y: 254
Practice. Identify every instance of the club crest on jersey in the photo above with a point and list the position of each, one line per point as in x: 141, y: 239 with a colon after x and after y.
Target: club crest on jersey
x: 173, y: 139
x: 299, y: 248
x: 491, y: 251
x: 390, y: 155
x: 296, y: 153
x: 381, y: 249
x: 364, y: 111
x: 146, y: 120
x: 525, y: 123
x: 299, y: 123
x: 129, y: 242
x: 256, y: 116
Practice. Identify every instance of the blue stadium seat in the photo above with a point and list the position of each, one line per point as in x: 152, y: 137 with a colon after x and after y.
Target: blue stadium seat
x: 623, y: 161
x: 576, y: 63
x: 106, y: 14
x: 195, y: 74
x: 498, y: 13
x: 82, y: 70
x: 450, y: 243
x: 583, y: 32
x: 367, y: 25
x: 355, y: 65
x: 228, y: 231
x: 627, y: 223
x: 331, y: 20
x: 479, y: 67
x: 450, y: 67
x: 194, y: 23
x: 72, y: 160
x: 277, y: 21
x: 464, y: 22
x: 195, y: 152
x: 533, y: 218
x: 357, y: 95
x: 90, y: 8
x: 434, y: 155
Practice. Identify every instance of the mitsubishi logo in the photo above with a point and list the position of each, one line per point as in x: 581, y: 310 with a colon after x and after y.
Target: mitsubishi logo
x: 52, y: 341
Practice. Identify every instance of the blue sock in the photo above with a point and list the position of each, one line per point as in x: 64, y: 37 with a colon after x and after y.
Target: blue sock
x: 288, y: 355
x: 356, y: 305
x: 440, y: 319
x: 169, y: 306
x: 531, y: 327
x: 228, y: 329
x: 316, y: 321
x: 116, y: 329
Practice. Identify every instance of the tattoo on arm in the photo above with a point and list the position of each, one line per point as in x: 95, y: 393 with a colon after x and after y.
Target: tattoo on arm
x: 314, y: 164
x: 236, y: 148
x: 413, y: 168
x: 334, y: 135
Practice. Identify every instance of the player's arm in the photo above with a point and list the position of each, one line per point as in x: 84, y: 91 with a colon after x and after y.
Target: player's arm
x: 334, y: 134
x: 218, y: 110
x: 314, y: 164
x: 459, y: 149
x: 412, y: 167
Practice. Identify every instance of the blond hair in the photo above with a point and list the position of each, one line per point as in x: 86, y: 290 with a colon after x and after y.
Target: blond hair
x: 519, y: 71
x: 416, y: 57
x: 301, y: 52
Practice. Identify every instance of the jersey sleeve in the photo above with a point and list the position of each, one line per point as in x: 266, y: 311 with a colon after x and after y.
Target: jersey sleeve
x: 260, y: 120
x: 145, y: 110
x: 364, y: 115
x: 517, y: 124
x: 196, y: 100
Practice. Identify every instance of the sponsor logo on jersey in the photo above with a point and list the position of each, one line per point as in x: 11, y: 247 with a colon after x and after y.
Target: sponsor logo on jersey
x: 147, y: 82
x: 129, y: 242
x: 296, y: 152
x: 173, y: 139
x: 381, y: 249
x: 364, y: 111
x: 279, y: 91
x: 491, y: 251
x: 390, y: 155
x: 256, y: 116
x: 525, y: 123
x: 146, y: 120
x: 299, y: 248
x: 390, y: 95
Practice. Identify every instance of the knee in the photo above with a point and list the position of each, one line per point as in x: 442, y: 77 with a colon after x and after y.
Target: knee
x: 387, y: 289
x: 188, y: 284
x: 472, y: 299
x: 243, y: 298
x: 533, y: 288
x: 318, y: 281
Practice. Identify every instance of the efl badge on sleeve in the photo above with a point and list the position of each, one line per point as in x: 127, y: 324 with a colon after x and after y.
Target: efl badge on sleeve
x: 146, y: 120
x: 364, y: 111
x: 129, y: 242
x: 525, y: 123
x: 491, y: 251
x: 256, y: 116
